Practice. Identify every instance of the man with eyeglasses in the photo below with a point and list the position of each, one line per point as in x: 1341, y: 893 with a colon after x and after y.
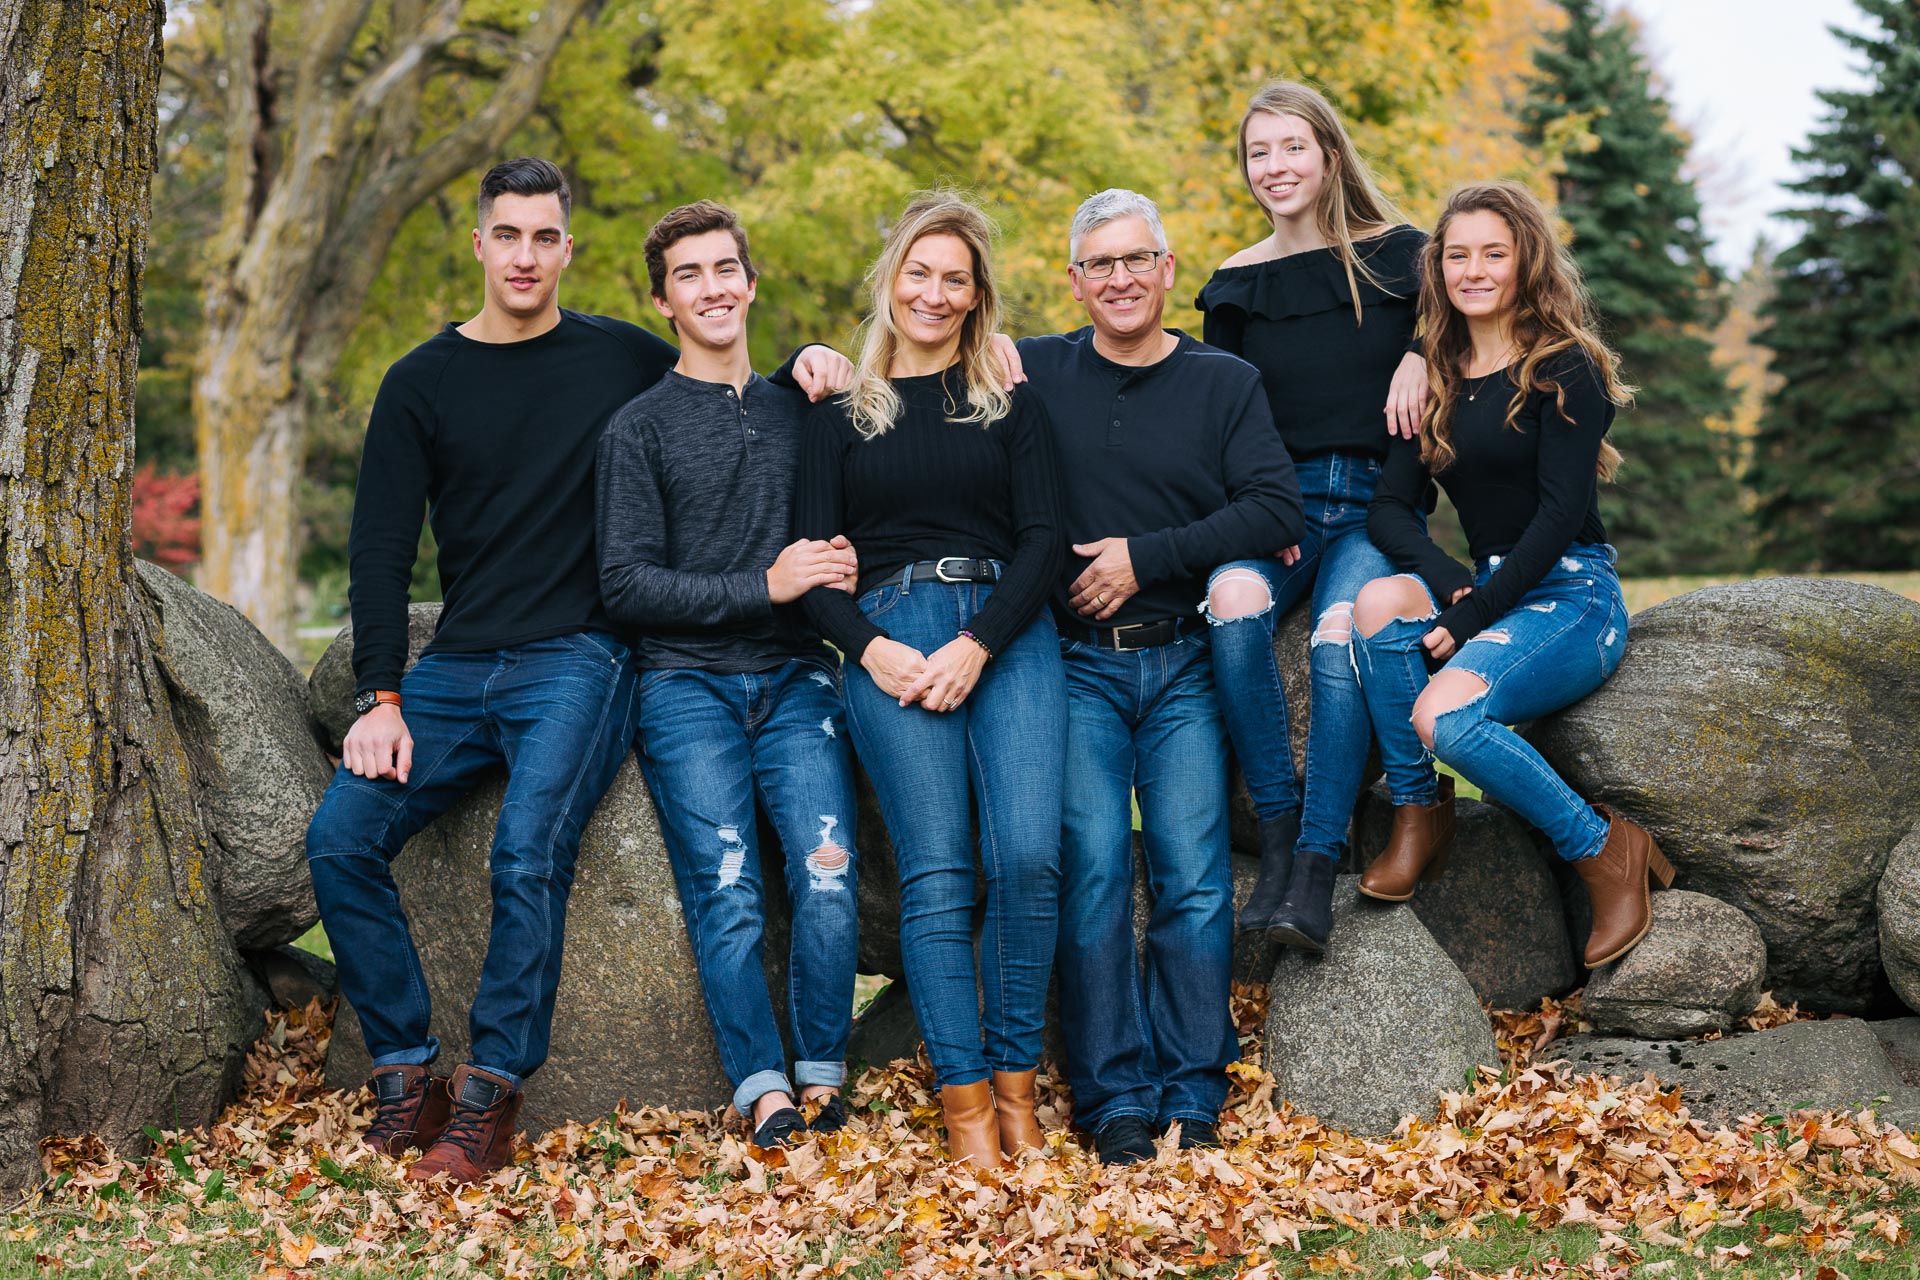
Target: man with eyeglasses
x: 1170, y: 466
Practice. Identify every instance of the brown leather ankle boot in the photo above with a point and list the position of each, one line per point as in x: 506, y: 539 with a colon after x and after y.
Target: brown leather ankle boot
x: 1416, y: 848
x: 411, y: 1109
x: 1616, y: 879
x: 479, y: 1134
x: 972, y: 1133
x: 1013, y: 1106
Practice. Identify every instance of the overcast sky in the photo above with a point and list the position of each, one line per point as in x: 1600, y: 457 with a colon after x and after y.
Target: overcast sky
x: 1741, y: 75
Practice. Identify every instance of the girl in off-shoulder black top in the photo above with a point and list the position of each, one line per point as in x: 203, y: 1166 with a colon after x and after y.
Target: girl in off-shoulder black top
x: 1324, y: 309
x: 1517, y: 435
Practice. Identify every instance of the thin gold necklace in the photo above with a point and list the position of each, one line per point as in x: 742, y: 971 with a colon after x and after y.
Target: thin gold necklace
x: 1504, y: 351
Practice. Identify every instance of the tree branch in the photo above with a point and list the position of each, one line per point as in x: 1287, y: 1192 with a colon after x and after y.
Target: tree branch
x: 395, y: 184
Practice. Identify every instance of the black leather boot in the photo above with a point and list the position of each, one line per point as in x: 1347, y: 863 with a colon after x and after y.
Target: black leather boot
x: 1305, y: 918
x: 1277, y: 838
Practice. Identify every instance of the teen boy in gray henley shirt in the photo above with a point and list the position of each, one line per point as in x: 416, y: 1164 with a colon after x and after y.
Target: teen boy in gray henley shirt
x: 738, y: 696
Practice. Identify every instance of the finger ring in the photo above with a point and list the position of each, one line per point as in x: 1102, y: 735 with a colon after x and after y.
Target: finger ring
x: 1100, y: 599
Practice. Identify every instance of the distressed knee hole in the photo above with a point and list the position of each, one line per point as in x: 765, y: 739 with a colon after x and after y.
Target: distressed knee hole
x: 1236, y: 594
x: 1335, y: 626
x: 1492, y: 637
x: 826, y: 727
x: 827, y: 864
x: 1400, y: 598
x: 733, y: 855
x: 827, y: 858
x: 1544, y: 606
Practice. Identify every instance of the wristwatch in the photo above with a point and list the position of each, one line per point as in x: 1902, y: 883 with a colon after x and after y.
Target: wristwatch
x: 365, y: 702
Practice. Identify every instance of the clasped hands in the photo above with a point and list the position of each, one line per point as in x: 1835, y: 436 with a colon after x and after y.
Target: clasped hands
x: 939, y: 682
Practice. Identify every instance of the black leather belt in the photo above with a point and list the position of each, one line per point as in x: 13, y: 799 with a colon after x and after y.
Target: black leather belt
x: 1141, y: 635
x: 951, y: 569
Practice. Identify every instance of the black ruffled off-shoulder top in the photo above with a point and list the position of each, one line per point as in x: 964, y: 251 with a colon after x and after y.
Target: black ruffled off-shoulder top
x: 1292, y: 319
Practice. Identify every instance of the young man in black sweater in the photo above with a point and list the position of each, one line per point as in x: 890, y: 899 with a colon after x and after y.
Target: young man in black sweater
x: 490, y: 427
x: 739, y: 696
x: 1169, y: 466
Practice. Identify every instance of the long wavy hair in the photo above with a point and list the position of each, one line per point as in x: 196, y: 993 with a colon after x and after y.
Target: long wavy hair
x: 1552, y: 314
x: 871, y: 399
x: 1350, y: 197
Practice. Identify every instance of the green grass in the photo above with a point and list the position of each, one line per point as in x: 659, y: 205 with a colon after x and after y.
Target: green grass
x: 1502, y: 1245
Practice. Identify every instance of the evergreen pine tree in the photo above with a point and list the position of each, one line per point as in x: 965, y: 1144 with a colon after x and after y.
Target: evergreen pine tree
x: 1677, y: 507
x: 1837, y: 458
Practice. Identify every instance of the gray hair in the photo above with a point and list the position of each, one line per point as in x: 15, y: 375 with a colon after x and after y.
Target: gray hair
x: 1111, y: 205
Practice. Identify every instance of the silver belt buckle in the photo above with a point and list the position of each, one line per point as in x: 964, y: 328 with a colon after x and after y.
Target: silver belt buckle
x: 940, y: 568
x: 1120, y: 646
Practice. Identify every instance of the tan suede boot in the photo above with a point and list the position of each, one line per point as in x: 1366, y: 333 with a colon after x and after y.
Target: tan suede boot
x: 1416, y: 848
x: 1013, y: 1105
x: 1616, y: 880
x: 972, y: 1133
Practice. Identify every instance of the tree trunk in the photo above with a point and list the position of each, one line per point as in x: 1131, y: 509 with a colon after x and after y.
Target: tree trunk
x: 315, y: 190
x: 119, y: 989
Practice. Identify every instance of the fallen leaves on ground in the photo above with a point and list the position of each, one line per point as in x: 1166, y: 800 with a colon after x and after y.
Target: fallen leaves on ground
x: 284, y: 1175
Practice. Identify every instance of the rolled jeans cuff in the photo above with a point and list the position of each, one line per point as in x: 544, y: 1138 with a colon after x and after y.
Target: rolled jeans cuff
x: 755, y: 1086
x: 519, y: 1081
x: 822, y: 1073
x: 419, y: 1057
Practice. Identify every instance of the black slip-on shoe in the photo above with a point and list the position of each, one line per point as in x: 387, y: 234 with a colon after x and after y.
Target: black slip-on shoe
x: 781, y: 1129
x: 1124, y: 1140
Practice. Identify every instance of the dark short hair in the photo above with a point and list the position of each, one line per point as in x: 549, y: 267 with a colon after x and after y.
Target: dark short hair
x: 526, y: 176
x: 693, y: 219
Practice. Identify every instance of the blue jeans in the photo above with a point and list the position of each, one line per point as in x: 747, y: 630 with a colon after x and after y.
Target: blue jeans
x: 1157, y: 1048
x: 708, y: 744
x: 1336, y: 560
x: 1563, y: 639
x: 1002, y: 748
x: 559, y: 714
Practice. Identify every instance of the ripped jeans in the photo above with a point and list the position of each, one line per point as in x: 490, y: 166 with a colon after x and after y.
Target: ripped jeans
x: 1559, y: 644
x: 708, y: 743
x: 1336, y: 560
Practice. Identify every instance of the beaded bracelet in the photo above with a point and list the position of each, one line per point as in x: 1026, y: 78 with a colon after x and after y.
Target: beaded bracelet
x: 984, y: 647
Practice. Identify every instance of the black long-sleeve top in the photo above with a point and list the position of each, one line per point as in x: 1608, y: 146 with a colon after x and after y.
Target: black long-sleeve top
x: 1292, y: 319
x: 695, y: 498
x: 1524, y: 495
x: 495, y: 443
x: 1179, y: 457
x: 926, y: 488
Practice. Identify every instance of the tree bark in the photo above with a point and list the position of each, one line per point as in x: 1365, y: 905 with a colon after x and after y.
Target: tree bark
x: 316, y: 188
x: 119, y: 989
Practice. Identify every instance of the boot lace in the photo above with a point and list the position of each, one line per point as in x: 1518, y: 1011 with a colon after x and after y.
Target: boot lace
x: 467, y: 1128
x: 393, y: 1116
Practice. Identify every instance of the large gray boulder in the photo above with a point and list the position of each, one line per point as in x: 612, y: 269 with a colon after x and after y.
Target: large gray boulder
x: 1898, y: 909
x: 1496, y: 909
x: 330, y: 686
x: 1700, y: 968
x: 1378, y: 1027
x: 268, y: 771
x: 629, y: 1021
x: 1900, y: 1037
x: 1837, y: 1064
x: 1765, y: 733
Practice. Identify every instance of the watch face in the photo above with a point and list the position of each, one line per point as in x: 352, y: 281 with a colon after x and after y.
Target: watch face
x: 365, y: 702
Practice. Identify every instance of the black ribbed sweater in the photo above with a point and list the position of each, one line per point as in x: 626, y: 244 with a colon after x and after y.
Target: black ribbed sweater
x: 926, y: 488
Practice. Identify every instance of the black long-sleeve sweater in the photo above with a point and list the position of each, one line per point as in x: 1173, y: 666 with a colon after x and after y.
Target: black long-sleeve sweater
x: 930, y: 487
x: 695, y: 499
x: 1525, y: 495
x: 1179, y: 457
x: 495, y: 443
x: 1292, y: 319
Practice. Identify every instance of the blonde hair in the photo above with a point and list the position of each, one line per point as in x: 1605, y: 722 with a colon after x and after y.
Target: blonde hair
x: 871, y: 399
x: 1351, y: 197
x: 1552, y: 314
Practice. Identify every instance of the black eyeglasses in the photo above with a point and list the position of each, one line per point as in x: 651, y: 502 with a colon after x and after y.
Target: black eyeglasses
x: 1137, y: 264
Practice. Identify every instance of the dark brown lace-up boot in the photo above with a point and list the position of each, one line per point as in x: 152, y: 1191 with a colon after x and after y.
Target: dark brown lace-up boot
x: 479, y: 1134
x: 412, y: 1107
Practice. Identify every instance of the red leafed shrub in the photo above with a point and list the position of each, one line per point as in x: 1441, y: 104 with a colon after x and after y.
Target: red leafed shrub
x: 166, y: 526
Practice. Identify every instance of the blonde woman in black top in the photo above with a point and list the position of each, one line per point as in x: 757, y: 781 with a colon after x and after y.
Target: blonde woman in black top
x: 955, y: 691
